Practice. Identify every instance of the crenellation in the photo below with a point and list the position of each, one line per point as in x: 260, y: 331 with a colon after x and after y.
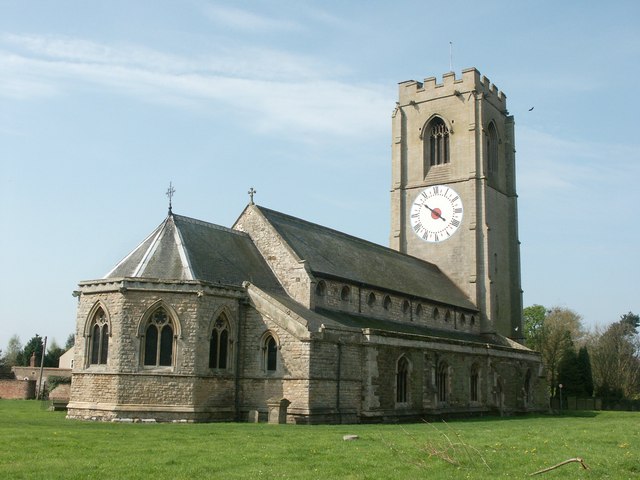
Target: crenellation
x: 412, y: 92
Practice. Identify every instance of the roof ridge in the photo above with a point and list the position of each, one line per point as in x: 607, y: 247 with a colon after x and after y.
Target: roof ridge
x: 352, y: 237
x: 214, y: 226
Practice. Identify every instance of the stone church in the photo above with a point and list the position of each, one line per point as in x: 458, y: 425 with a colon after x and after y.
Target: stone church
x: 283, y: 320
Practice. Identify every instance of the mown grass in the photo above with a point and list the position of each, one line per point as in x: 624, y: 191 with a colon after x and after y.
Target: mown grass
x: 35, y: 443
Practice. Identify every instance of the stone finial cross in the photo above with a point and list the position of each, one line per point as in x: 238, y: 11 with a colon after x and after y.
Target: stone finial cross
x: 251, y: 193
x: 170, y: 192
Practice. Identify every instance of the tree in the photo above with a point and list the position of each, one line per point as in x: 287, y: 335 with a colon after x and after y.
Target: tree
x: 52, y: 357
x: 71, y: 341
x: 533, y: 317
x: 615, y: 355
x: 14, y: 351
x: 33, y: 346
x: 584, y: 371
x: 553, y: 333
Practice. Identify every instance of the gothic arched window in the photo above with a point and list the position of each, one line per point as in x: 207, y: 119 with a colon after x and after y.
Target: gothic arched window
x: 99, y: 340
x: 436, y: 143
x: 371, y: 299
x: 386, y: 302
x: 321, y: 288
x: 219, y: 343
x: 402, y: 380
x: 158, y: 340
x: 345, y: 293
x: 474, y: 383
x: 442, y: 382
x: 492, y: 148
x: 270, y: 351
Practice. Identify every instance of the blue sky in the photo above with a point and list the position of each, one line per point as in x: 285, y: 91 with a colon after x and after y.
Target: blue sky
x: 103, y: 103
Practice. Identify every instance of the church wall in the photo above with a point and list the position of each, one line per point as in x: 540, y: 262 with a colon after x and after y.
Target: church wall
x: 285, y: 264
x: 290, y: 381
x: 401, y: 308
x: 336, y: 372
x: 501, y: 380
x: 124, y: 385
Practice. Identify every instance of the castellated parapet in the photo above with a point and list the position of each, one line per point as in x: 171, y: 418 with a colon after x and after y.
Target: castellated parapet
x: 472, y: 81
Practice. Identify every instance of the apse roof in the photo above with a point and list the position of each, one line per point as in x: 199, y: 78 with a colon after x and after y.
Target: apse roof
x: 335, y: 254
x: 182, y: 248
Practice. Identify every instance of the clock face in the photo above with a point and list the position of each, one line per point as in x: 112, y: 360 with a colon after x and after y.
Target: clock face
x: 436, y: 213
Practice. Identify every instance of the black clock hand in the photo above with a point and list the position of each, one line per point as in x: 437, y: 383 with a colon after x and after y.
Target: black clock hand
x: 437, y: 214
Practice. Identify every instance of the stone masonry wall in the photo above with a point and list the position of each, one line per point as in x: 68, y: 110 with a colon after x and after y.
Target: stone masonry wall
x: 397, y: 308
x: 285, y: 264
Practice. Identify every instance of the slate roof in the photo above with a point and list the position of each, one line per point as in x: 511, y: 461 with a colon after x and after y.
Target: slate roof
x: 332, y: 253
x: 182, y: 248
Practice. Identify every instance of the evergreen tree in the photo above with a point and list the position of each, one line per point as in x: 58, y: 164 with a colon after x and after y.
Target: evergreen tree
x: 33, y: 345
x: 52, y: 357
x: 584, y: 371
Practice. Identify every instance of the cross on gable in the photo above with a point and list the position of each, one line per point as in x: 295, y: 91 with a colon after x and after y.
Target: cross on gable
x: 251, y: 193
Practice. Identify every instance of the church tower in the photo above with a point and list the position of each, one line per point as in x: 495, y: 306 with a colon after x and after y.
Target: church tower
x: 453, y: 195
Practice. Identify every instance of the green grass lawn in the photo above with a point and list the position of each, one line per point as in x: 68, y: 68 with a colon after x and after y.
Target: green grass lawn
x: 35, y: 443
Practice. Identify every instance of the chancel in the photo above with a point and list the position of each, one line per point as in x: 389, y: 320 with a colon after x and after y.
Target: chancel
x: 283, y: 320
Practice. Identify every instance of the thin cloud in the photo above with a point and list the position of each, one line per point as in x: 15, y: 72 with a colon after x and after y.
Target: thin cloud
x: 547, y: 162
x: 246, y: 21
x: 280, y: 92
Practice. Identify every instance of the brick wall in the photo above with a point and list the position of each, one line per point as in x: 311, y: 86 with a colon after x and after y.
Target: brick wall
x: 18, y: 389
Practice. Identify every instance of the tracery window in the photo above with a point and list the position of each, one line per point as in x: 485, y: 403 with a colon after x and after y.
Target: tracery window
x: 402, y: 380
x: 219, y: 343
x: 158, y: 340
x: 436, y: 143
x: 270, y: 349
x: 99, y: 340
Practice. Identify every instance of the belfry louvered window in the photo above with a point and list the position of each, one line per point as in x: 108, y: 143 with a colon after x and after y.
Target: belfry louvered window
x: 436, y: 143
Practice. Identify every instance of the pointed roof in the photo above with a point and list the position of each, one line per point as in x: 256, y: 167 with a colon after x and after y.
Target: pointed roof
x: 335, y: 254
x: 182, y: 248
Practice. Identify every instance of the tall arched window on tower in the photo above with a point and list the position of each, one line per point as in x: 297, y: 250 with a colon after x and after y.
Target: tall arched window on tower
x: 402, y: 380
x: 99, y: 341
x: 492, y: 148
x: 436, y: 143
x: 219, y: 343
x: 158, y: 339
